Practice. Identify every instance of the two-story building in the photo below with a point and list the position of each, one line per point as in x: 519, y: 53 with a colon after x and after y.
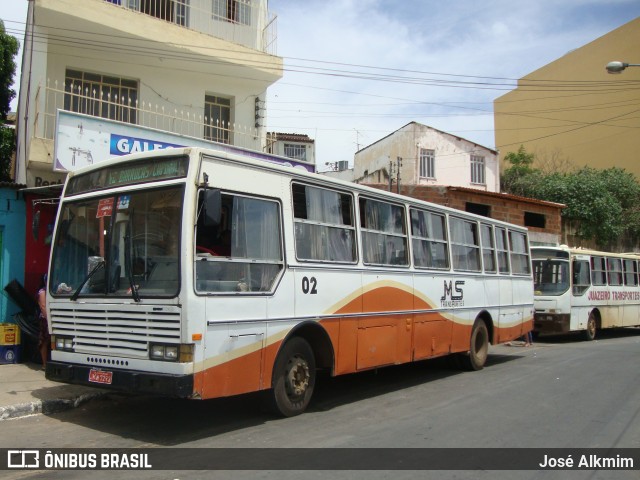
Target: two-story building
x: 421, y: 155
x: 193, y: 68
x: 439, y: 167
x: 154, y: 72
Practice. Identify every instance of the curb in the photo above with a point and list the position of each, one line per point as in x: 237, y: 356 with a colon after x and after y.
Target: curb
x: 46, y: 406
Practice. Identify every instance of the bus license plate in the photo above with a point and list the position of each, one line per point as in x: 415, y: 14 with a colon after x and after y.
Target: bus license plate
x: 100, y: 376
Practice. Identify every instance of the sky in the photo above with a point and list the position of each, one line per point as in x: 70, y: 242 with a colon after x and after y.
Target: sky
x: 357, y: 70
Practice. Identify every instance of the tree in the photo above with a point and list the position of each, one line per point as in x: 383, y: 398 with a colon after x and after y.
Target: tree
x: 520, y: 178
x: 8, y: 50
x: 602, y: 205
x: 9, y: 47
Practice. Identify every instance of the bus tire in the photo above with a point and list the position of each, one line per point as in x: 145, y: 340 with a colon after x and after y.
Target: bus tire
x: 478, y: 352
x: 592, y: 325
x: 294, y: 377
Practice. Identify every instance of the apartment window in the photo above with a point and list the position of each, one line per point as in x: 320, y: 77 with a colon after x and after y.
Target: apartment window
x: 236, y: 11
x: 99, y: 95
x: 427, y: 163
x: 477, y: 170
x: 182, y: 12
x: 217, y: 117
x: 296, y: 151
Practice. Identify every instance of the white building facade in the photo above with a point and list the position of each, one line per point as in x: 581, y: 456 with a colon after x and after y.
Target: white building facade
x: 417, y: 154
x: 195, y: 68
x: 296, y: 146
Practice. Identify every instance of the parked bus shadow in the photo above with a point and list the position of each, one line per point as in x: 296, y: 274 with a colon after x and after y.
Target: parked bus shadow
x: 601, y: 335
x: 168, y: 422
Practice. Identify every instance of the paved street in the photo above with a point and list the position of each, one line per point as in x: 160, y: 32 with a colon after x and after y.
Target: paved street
x: 561, y: 393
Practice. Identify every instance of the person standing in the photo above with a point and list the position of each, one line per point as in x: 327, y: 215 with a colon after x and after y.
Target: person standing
x: 44, y: 338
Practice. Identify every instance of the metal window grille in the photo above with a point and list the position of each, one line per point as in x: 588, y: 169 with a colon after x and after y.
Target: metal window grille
x: 101, y: 96
x: 217, y: 113
x: 477, y: 169
x: 427, y: 163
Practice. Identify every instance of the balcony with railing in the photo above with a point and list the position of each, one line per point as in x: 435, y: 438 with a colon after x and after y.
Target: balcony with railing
x: 245, y: 22
x: 211, y: 123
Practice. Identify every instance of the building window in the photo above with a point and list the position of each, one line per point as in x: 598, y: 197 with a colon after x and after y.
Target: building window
x: 101, y: 96
x: 532, y: 219
x: 477, y: 169
x: 235, y: 11
x: 427, y: 163
x: 217, y: 117
x: 478, y: 209
x: 296, y: 151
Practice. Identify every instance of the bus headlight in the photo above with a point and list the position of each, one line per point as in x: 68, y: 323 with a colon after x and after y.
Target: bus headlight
x: 62, y: 343
x: 171, y: 352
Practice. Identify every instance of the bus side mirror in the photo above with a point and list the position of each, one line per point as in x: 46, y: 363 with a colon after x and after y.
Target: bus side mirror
x: 212, y: 207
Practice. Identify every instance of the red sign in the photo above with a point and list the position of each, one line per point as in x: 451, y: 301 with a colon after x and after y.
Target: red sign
x: 105, y: 207
x: 100, y: 376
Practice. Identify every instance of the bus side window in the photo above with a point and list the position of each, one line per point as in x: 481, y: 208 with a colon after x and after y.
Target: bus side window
x: 581, y: 277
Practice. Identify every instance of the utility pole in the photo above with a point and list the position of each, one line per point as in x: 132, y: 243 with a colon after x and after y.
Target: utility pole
x: 399, y: 160
x: 390, y: 175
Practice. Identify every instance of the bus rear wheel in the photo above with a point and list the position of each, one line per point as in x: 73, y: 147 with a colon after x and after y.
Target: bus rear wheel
x: 478, y: 352
x: 294, y: 377
x: 592, y: 325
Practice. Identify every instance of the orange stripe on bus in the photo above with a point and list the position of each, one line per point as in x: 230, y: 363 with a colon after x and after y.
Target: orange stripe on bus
x: 359, y: 343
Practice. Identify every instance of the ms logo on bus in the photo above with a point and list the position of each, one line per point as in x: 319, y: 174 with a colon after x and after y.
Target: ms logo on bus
x: 449, y: 299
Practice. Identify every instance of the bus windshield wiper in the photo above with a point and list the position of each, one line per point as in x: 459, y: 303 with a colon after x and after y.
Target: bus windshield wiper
x: 76, y: 294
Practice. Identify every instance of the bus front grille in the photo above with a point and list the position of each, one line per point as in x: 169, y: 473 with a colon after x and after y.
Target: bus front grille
x: 111, y: 329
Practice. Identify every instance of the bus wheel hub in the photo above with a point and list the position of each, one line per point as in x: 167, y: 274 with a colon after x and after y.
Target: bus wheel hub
x: 298, y: 376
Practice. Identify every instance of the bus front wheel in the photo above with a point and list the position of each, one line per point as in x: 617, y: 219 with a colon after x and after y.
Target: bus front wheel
x: 592, y: 325
x: 478, y: 352
x: 294, y: 377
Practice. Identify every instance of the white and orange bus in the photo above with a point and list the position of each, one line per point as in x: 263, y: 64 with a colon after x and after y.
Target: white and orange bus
x: 578, y: 290
x: 203, y: 273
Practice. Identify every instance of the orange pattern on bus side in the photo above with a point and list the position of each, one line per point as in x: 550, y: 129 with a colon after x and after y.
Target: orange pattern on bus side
x: 359, y: 343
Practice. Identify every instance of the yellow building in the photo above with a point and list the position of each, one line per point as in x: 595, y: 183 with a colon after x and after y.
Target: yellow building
x: 571, y: 112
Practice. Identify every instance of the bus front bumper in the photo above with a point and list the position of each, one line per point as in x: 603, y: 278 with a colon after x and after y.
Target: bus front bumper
x: 551, y: 323
x: 121, y: 380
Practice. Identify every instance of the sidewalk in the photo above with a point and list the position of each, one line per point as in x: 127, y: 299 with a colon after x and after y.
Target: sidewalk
x: 25, y: 391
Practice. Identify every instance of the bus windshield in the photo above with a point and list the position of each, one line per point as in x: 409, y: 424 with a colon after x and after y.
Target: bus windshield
x: 119, y: 245
x: 551, y: 276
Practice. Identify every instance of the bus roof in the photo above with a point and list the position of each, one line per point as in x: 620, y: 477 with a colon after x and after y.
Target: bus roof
x: 290, y: 171
x: 586, y: 251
